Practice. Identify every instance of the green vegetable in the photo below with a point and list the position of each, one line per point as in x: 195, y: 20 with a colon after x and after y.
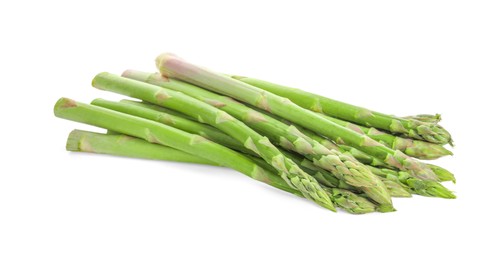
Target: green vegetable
x: 344, y: 167
x: 412, y: 128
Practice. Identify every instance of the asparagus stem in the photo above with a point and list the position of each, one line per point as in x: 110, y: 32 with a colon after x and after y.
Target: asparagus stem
x: 172, y: 66
x: 409, y: 127
x: 289, y: 171
x: 123, y: 145
x: 128, y: 146
x: 158, y: 133
x: 344, y: 167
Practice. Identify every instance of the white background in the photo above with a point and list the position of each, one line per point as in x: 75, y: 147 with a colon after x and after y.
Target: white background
x: 401, y: 57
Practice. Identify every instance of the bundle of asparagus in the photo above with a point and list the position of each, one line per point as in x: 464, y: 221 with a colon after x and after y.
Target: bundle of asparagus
x: 336, y: 154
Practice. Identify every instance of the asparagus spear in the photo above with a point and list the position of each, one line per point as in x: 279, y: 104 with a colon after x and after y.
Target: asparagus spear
x: 344, y: 167
x: 289, y: 171
x: 123, y: 145
x: 154, y: 132
x: 172, y: 66
x: 128, y: 146
x: 415, y: 148
x: 362, y: 116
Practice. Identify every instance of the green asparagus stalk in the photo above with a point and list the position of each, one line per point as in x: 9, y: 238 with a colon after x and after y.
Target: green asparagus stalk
x: 412, y: 128
x: 123, y: 145
x: 415, y: 148
x: 172, y: 66
x: 127, y: 146
x: 289, y: 171
x: 154, y: 132
x: 344, y: 167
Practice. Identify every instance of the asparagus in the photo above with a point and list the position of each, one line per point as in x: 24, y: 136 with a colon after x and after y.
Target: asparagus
x: 415, y: 148
x: 154, y: 132
x: 123, y: 145
x: 128, y: 146
x: 172, y: 66
x: 344, y: 167
x: 289, y: 171
x: 412, y: 128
